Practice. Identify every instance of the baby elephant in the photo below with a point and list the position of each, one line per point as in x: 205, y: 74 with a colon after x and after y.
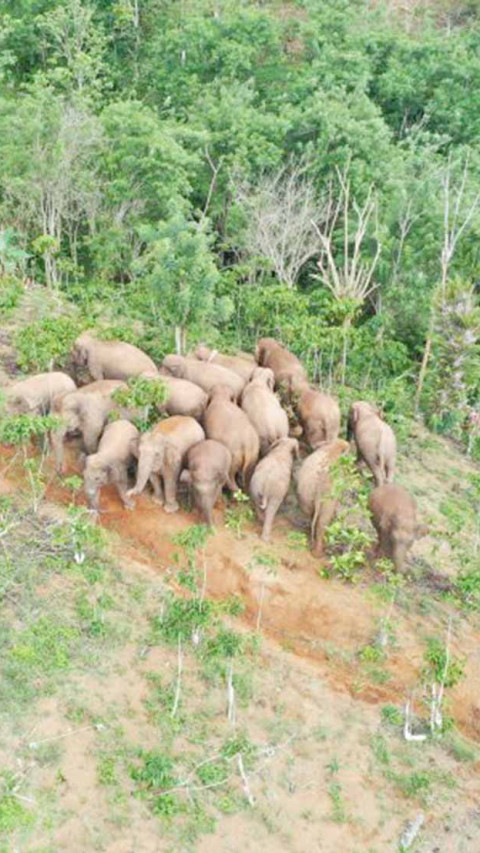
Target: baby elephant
x: 35, y: 395
x: 314, y: 487
x: 116, y: 451
x: 271, y: 481
x: 394, y: 516
x: 162, y: 453
x: 209, y: 465
x: 319, y: 414
x: 375, y: 441
x: 85, y: 410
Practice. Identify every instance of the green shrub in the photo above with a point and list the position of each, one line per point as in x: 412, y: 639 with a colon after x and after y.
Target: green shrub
x: 46, y: 344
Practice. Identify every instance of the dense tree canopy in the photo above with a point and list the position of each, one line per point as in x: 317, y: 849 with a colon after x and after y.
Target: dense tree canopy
x: 130, y: 130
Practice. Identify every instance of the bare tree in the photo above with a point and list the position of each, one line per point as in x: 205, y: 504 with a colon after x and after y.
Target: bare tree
x: 349, y: 275
x: 458, y: 213
x: 282, y: 211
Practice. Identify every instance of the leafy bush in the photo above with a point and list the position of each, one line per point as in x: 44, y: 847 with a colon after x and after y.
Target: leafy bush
x: 19, y: 429
x: 46, y: 344
x: 143, y: 394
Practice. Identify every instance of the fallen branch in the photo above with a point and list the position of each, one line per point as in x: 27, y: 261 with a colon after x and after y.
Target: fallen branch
x: 410, y: 833
x: 246, y: 786
x: 179, y: 678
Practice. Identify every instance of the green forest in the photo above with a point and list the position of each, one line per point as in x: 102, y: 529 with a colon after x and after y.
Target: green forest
x: 180, y: 171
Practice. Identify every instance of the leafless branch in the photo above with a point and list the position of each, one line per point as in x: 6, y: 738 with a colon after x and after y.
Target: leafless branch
x: 280, y: 211
x: 351, y: 277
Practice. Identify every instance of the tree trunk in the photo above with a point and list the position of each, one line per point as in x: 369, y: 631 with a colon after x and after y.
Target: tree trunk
x: 180, y: 339
x: 426, y: 358
x: 347, y: 324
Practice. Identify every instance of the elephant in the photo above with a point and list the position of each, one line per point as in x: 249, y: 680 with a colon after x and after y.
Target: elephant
x: 35, y: 395
x: 162, y: 453
x: 85, y: 410
x: 271, y: 481
x: 208, y: 464
x: 287, y: 368
x: 319, y: 414
x: 184, y: 397
x: 244, y: 367
x: 110, y: 359
x: 110, y: 463
x: 263, y: 408
x: 203, y: 374
x: 314, y: 485
x: 394, y: 516
x: 225, y: 422
x: 375, y: 441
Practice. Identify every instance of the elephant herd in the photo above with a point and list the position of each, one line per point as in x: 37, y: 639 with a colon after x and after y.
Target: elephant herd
x: 222, y: 426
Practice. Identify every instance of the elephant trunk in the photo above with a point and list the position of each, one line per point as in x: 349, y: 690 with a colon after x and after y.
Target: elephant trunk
x: 144, y: 470
x: 205, y: 500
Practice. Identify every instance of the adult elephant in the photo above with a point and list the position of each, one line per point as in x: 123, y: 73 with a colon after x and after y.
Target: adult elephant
x: 110, y: 359
x: 209, y: 465
x: 183, y: 397
x: 35, y: 395
x: 287, y: 368
x: 319, y: 414
x: 263, y: 408
x: 203, y: 374
x: 314, y: 489
x: 375, y: 441
x: 239, y: 364
x: 226, y: 422
x: 162, y: 453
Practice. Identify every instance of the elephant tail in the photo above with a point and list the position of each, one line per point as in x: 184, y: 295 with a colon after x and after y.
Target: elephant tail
x: 262, y: 502
x: 381, y: 458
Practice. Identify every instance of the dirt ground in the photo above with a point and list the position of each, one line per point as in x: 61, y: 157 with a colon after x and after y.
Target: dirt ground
x: 330, y: 773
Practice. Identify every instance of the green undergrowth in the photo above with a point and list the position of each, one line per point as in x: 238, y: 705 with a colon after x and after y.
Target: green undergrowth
x: 67, y: 613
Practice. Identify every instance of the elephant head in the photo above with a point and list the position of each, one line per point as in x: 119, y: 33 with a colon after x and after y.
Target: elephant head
x: 97, y: 473
x: 150, y: 452
x: 263, y: 348
x: 174, y: 365
x: 289, y: 444
x: 204, y: 353
x: 81, y: 349
x: 221, y: 392
x: 265, y: 376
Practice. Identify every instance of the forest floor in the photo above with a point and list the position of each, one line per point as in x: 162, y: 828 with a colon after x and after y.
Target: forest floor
x: 272, y: 719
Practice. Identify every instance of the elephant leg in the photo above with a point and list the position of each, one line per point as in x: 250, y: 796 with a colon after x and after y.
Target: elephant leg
x: 121, y: 483
x: 156, y: 482
x: 95, y: 369
x: 389, y: 471
x: 231, y: 479
x: 57, y: 438
x: 324, y: 514
x: 171, y: 474
x: 269, y: 516
x: 378, y: 474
